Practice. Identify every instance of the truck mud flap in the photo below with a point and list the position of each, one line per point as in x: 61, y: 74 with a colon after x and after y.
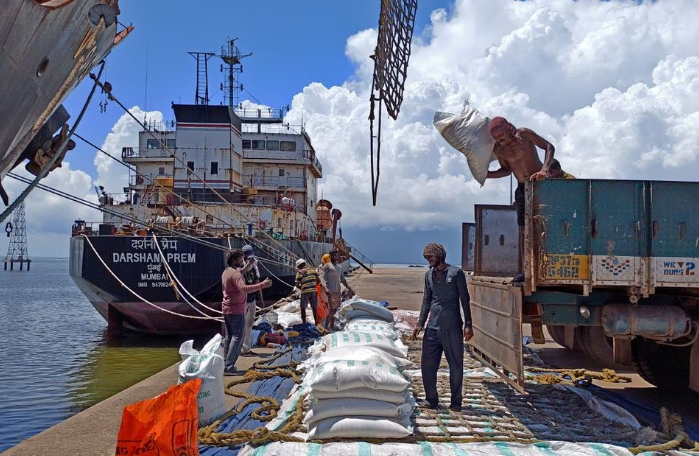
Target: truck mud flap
x: 496, y: 309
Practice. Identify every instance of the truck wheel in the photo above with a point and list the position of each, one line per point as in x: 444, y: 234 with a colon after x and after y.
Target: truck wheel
x: 664, y: 366
x: 557, y: 333
x: 597, y: 345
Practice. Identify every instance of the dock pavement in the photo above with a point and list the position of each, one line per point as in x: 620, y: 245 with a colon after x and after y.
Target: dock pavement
x: 93, y: 432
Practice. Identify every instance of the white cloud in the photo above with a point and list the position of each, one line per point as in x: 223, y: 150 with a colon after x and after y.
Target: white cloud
x: 114, y: 176
x: 614, y: 85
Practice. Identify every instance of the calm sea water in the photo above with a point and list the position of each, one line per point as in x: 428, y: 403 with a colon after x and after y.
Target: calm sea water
x: 54, y: 355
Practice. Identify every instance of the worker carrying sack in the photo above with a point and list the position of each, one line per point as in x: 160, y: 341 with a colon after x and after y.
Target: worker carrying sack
x: 468, y: 133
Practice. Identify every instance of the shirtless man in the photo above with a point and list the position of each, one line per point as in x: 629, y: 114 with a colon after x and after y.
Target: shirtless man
x: 516, y: 151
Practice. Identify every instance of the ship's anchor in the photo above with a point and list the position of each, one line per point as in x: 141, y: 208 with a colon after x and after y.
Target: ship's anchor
x: 8, y: 228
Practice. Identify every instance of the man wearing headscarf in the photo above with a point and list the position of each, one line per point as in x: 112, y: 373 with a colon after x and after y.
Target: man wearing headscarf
x: 445, y: 286
x: 516, y: 151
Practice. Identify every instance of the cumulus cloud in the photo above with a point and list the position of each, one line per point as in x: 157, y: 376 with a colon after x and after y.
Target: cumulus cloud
x: 114, y: 176
x: 612, y: 84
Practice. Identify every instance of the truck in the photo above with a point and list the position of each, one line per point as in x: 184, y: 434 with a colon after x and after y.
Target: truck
x: 610, y: 268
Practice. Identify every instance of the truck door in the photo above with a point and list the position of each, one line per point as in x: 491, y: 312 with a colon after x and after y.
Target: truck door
x: 674, y: 225
x: 618, y: 232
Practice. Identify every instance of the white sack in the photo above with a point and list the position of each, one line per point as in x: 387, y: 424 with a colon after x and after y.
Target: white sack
x: 346, y: 374
x: 360, y: 427
x: 368, y: 307
x: 468, y: 133
x: 207, y: 365
x: 330, y: 408
x: 361, y: 326
x: 367, y: 393
x: 360, y: 353
x: 357, y: 339
x: 291, y: 307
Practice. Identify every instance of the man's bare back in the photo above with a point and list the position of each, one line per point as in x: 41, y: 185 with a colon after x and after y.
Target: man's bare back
x: 517, y: 154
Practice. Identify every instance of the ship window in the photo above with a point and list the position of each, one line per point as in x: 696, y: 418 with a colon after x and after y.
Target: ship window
x: 190, y: 165
x: 247, y: 144
x: 171, y: 143
x: 272, y: 145
x: 287, y: 146
x: 281, y: 172
x: 153, y: 144
x: 279, y: 223
x: 214, y: 167
x: 258, y: 144
x: 161, y: 171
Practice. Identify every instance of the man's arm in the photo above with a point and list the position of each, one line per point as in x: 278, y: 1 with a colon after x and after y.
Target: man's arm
x: 321, y: 278
x: 426, y: 301
x: 343, y: 280
x: 541, y: 143
x: 240, y: 284
x: 502, y: 172
x: 464, y: 297
x: 258, y: 278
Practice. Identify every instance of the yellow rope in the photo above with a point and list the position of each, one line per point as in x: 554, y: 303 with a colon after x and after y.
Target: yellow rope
x: 576, y: 375
x: 670, y: 424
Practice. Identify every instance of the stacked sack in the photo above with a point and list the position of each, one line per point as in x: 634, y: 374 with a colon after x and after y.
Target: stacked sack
x: 356, y: 388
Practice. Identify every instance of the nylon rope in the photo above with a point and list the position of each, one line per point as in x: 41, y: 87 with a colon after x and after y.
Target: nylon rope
x: 87, y: 239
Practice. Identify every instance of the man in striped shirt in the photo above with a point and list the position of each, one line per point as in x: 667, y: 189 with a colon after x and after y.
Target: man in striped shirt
x: 307, y: 281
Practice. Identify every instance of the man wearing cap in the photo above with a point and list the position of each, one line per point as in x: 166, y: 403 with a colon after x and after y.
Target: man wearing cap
x: 445, y: 286
x: 516, y: 151
x: 331, y: 277
x: 306, y: 281
x: 251, y: 273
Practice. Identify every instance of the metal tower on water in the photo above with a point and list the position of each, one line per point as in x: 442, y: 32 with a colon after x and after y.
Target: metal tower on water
x: 17, y: 232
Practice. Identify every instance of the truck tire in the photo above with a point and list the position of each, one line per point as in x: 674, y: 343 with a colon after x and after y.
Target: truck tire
x: 661, y: 365
x: 557, y: 333
x: 597, y: 345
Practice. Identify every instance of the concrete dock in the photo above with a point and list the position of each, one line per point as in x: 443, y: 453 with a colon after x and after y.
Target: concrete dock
x: 93, y: 432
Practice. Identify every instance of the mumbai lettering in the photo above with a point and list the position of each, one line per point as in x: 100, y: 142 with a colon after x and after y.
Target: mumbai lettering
x: 143, y: 257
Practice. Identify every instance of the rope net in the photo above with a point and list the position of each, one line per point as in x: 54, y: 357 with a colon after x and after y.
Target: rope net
x: 396, y: 24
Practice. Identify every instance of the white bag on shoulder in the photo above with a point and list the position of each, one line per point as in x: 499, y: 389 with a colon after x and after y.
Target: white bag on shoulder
x: 468, y: 133
x: 208, y: 365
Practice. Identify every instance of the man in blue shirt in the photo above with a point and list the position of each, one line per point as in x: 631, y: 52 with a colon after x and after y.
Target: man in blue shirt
x: 445, y: 286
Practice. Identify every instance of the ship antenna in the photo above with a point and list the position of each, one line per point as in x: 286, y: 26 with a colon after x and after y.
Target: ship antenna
x: 231, y: 56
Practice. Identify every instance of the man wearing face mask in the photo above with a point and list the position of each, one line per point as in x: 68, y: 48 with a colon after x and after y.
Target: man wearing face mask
x: 445, y: 286
x: 235, y: 293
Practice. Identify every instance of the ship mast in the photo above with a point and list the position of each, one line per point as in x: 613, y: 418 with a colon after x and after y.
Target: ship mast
x: 231, y: 56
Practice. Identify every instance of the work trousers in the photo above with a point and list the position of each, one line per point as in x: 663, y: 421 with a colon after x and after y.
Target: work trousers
x: 310, y: 299
x: 235, y: 329
x: 451, y: 342
x: 249, y: 321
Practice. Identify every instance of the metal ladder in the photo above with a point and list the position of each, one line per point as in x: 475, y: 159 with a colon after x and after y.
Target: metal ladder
x: 275, y: 254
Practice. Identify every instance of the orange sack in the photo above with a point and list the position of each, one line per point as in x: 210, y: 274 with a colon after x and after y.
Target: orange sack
x: 323, y: 310
x: 163, y: 426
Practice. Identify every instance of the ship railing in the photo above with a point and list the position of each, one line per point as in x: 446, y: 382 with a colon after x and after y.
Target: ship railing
x: 271, y: 129
x: 277, y: 182
x: 359, y: 256
x: 146, y: 152
x: 258, y: 113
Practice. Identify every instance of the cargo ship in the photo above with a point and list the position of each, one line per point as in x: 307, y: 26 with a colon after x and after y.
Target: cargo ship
x: 216, y: 177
